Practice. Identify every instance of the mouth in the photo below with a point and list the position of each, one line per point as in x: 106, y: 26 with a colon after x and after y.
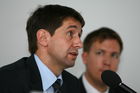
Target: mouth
x: 74, y: 54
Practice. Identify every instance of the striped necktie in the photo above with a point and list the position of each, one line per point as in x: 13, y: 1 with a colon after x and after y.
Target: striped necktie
x: 56, y: 85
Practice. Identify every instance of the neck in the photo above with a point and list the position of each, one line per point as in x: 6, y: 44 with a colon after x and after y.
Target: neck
x: 99, y: 85
x: 49, y: 63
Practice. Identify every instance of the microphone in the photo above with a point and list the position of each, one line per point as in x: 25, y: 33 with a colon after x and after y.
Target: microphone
x: 113, y: 80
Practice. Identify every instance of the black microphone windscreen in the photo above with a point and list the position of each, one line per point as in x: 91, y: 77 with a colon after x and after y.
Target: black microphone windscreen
x: 111, y: 78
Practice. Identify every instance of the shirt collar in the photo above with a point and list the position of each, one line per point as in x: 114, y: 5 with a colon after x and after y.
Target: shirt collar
x: 47, y: 76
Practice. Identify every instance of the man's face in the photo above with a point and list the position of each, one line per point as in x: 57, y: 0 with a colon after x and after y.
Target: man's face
x: 64, y: 44
x: 102, y: 56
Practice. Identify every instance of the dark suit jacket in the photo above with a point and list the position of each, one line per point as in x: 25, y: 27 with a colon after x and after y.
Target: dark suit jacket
x: 83, y: 90
x: 111, y: 90
x: 23, y: 76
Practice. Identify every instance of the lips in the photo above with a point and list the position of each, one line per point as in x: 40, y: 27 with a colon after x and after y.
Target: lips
x: 74, y: 53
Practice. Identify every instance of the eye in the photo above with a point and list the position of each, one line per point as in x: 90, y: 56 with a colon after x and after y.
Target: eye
x: 99, y: 52
x: 115, y: 55
x: 70, y: 33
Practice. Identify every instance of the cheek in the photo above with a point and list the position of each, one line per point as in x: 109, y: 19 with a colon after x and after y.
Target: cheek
x: 114, y: 66
x: 56, y: 46
x: 61, y: 44
x: 92, y: 64
x: 94, y: 60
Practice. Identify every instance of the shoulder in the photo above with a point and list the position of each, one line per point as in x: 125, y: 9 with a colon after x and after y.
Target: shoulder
x: 70, y: 83
x: 13, y: 67
x: 14, y: 71
x: 68, y: 76
x: 17, y: 66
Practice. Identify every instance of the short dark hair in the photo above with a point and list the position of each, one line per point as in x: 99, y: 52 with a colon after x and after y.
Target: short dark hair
x: 48, y: 17
x: 100, y: 35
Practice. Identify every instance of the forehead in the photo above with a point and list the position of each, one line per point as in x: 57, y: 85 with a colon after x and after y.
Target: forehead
x: 72, y: 23
x: 108, y: 45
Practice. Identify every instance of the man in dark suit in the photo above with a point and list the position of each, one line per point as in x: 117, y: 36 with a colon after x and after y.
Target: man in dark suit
x: 54, y: 39
x: 101, y: 51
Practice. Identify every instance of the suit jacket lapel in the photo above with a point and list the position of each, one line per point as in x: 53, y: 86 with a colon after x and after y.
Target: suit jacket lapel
x: 35, y: 81
x: 81, y: 85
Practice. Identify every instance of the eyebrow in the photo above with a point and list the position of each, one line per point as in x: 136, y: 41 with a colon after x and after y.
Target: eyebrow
x: 72, y: 26
x: 105, y: 51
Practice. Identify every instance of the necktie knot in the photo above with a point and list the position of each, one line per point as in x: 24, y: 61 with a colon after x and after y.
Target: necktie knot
x: 56, y: 85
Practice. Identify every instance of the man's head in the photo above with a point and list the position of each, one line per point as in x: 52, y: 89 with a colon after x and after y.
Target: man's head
x: 54, y: 35
x: 49, y: 18
x: 102, y: 49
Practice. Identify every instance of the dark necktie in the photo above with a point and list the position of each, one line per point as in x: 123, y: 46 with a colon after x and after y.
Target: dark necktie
x: 56, y: 85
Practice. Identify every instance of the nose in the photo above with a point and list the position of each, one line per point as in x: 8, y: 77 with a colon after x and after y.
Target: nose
x: 107, y: 60
x: 77, y: 43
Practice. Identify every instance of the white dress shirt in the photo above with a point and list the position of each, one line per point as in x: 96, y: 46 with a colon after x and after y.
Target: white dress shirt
x: 88, y: 87
x: 47, y: 76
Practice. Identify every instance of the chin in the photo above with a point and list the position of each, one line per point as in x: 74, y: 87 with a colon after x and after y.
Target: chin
x: 70, y: 64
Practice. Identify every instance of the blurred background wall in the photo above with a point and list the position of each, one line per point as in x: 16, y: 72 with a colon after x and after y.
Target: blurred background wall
x: 121, y: 15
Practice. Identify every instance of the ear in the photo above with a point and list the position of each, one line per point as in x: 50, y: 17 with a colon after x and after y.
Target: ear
x: 84, y: 57
x: 43, y: 37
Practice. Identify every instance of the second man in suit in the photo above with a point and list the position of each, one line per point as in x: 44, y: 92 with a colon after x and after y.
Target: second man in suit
x: 101, y: 51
